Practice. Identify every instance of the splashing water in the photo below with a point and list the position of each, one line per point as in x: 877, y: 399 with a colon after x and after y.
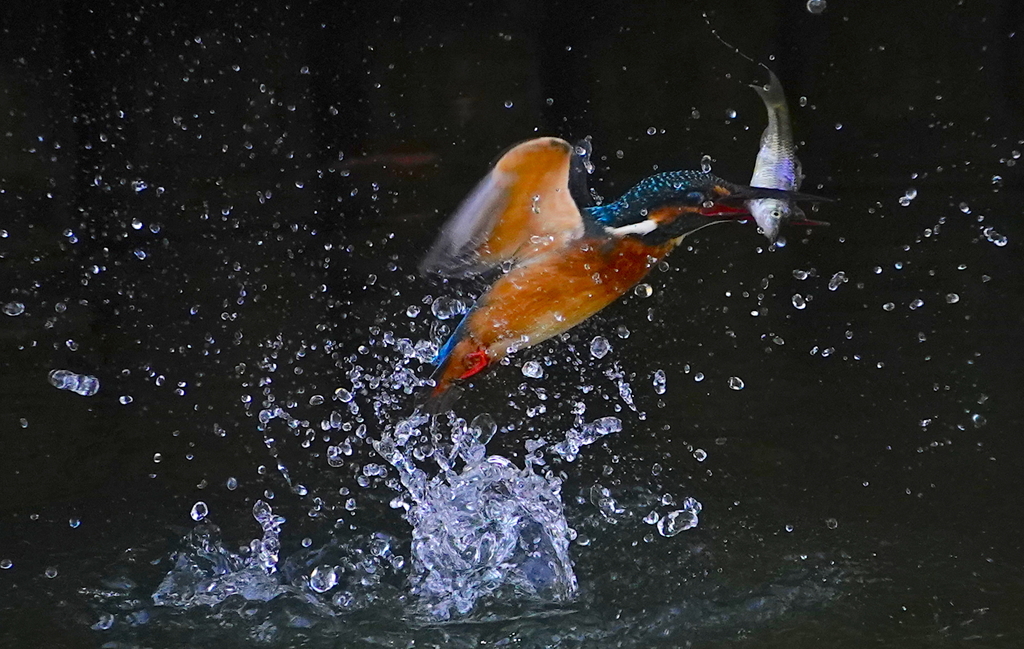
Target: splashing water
x: 206, y: 573
x: 486, y: 527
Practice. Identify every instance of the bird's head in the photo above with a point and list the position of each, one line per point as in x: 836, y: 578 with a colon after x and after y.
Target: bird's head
x: 675, y: 203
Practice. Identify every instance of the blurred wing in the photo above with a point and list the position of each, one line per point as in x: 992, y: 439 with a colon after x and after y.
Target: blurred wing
x: 521, y: 207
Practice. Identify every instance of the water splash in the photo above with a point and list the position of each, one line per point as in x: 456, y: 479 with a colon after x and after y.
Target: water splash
x: 486, y: 527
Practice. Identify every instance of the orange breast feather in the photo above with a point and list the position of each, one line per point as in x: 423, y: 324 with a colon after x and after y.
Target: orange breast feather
x: 550, y: 295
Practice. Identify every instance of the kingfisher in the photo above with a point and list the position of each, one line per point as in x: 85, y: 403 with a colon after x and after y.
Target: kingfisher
x: 563, y: 257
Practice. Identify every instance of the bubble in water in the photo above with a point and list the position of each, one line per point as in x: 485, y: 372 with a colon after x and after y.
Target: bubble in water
x: 6, y: 564
x: 916, y: 304
x: 659, y: 382
x: 831, y: 523
x: 199, y: 511
x: 412, y: 311
x: 74, y: 522
x: 643, y: 290
x: 652, y: 130
x: 908, y: 197
x: 799, y: 301
x: 599, y: 347
x: 50, y: 572
x: 952, y: 298
x: 231, y: 484
x: 700, y: 454
x: 533, y: 370
x: 705, y: 163
x: 889, y: 306
x: 681, y: 519
x: 978, y: 420
x: 730, y: 113
x: 698, y: 377
x: 816, y: 7
x: 736, y: 383
x: 508, y: 104
x: 78, y: 383
x: 14, y: 308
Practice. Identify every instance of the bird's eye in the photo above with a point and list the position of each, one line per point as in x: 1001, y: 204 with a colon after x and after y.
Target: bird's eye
x: 776, y: 214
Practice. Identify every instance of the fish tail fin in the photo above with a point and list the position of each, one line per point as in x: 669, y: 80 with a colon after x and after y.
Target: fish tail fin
x: 772, y: 94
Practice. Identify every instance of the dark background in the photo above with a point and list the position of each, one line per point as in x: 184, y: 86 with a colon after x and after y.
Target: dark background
x: 188, y: 190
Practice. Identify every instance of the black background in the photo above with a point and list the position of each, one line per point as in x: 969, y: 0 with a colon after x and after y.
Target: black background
x: 283, y: 153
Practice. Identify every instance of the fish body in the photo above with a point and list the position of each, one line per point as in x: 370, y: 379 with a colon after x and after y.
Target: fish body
x: 777, y: 166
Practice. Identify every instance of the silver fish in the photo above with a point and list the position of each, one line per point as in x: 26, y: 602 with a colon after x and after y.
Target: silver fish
x: 777, y: 166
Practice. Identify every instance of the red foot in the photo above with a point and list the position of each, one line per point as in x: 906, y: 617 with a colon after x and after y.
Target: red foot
x: 476, y: 361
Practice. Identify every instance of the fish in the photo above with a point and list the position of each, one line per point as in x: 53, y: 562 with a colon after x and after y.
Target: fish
x: 777, y: 166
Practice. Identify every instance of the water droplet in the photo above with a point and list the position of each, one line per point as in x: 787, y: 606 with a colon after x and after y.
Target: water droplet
x: 736, y: 383
x: 412, y: 311
x: 837, y: 280
x: 888, y: 306
x: 652, y: 131
x: 483, y: 428
x: 978, y: 420
x: 700, y: 454
x: 78, y: 383
x: 50, y: 572
x: 643, y: 290
x: 681, y: 519
x: 125, y: 399
x: 6, y: 564
x: 698, y: 377
x: 799, y: 301
x: 533, y: 370
x: 445, y: 307
x: 705, y: 163
x: 730, y: 113
x: 14, y: 308
x: 199, y: 511
x: 599, y: 347
x: 323, y: 578
x: 908, y: 197
x: 816, y: 7
x: 994, y: 237
x: 916, y: 304
x: 831, y: 523
x: 231, y: 484
x: 660, y: 382
x: 74, y: 522
x: 508, y: 104
x: 952, y: 298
